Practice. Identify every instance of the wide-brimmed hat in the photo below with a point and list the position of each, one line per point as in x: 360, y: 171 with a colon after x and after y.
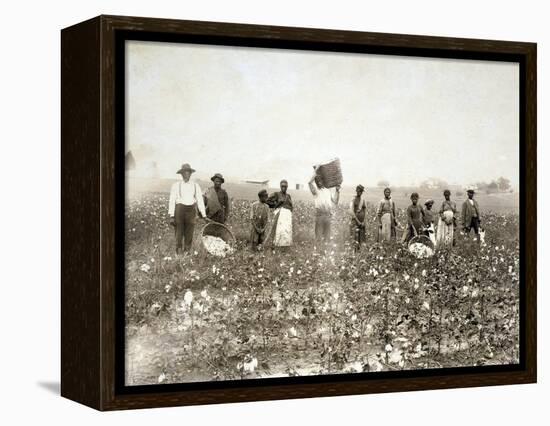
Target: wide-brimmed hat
x: 360, y: 188
x: 217, y: 176
x: 429, y: 201
x: 185, y: 167
x: 471, y: 191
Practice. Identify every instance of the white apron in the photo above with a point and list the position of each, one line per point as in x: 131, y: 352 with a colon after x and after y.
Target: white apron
x: 283, y: 228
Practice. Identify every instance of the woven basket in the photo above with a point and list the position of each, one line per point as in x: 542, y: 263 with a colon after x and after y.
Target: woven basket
x: 215, y: 229
x: 330, y: 173
x: 422, y: 239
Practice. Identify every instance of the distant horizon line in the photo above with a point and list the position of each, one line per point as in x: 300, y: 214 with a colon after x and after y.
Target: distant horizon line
x: 274, y: 183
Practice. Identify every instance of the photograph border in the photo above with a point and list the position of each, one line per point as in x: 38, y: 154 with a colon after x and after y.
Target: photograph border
x: 93, y: 299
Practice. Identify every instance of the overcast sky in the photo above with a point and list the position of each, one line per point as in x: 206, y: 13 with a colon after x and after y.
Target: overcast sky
x: 272, y: 114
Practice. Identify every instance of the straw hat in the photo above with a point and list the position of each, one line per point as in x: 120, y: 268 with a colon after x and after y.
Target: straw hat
x: 184, y: 168
x: 217, y: 176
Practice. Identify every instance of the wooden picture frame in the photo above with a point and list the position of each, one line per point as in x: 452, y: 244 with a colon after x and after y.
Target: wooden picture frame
x: 91, y: 203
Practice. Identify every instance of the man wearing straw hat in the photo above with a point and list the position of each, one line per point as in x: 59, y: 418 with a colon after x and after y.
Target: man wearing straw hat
x: 185, y: 198
x: 217, y: 200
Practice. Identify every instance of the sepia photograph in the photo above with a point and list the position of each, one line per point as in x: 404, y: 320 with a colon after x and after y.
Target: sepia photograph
x: 304, y: 213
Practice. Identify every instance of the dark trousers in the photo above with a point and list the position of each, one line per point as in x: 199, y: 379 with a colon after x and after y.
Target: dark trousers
x: 358, y: 234
x: 474, y: 224
x: 256, y: 238
x: 185, y: 225
x: 322, y: 226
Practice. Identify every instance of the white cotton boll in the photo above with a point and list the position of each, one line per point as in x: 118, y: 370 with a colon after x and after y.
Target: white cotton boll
x: 162, y: 378
x: 292, y: 332
x: 388, y: 348
x: 357, y: 367
x: 188, y: 297
x: 426, y: 306
x: 250, y: 365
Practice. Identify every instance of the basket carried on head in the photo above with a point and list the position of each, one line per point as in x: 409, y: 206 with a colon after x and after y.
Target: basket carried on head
x: 217, y: 230
x: 330, y: 173
x: 421, y: 246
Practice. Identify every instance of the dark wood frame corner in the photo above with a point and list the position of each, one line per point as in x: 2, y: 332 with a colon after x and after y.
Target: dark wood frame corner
x: 90, y: 199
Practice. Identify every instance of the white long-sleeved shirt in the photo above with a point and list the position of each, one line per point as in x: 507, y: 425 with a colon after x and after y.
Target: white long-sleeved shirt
x: 186, y: 193
x: 323, y: 198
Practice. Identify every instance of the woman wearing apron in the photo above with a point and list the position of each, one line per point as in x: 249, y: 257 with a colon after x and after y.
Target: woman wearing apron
x: 281, y: 202
x: 386, y: 218
x: 447, y: 222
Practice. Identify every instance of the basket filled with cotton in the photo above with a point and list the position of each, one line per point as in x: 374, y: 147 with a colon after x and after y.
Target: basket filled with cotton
x: 421, y: 247
x: 217, y: 239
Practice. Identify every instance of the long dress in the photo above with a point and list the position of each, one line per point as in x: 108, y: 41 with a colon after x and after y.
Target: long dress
x: 281, y: 231
x: 446, y: 226
x: 386, y: 215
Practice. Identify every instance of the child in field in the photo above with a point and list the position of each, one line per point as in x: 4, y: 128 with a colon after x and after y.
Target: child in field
x: 415, y: 219
x: 429, y: 220
x: 259, y: 214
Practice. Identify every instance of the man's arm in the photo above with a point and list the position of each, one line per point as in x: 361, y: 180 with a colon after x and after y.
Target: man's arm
x: 172, y: 201
x: 200, y: 200
x: 272, y: 201
x: 227, y: 204
x: 312, y: 185
x: 336, y: 196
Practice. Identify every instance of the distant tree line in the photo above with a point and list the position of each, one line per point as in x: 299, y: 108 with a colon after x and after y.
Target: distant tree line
x: 500, y: 185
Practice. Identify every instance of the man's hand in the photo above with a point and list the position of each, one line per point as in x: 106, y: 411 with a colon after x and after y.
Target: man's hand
x: 173, y: 221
